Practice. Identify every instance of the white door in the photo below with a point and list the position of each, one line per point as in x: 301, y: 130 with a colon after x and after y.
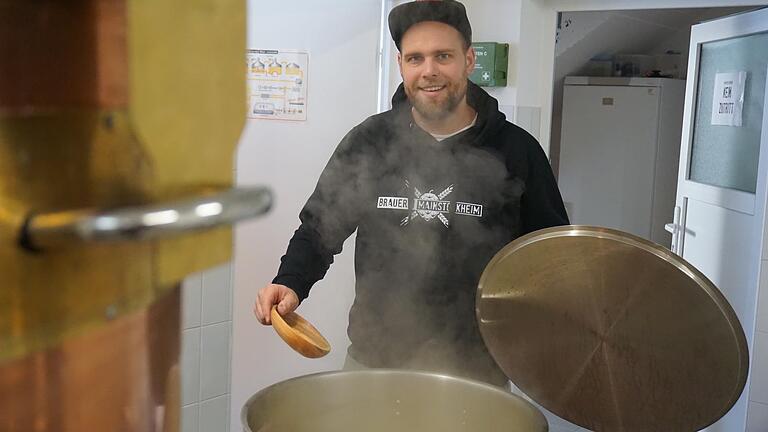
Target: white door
x: 722, y: 178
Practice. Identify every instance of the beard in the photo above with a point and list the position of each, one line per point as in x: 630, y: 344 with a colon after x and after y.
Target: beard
x: 437, y: 109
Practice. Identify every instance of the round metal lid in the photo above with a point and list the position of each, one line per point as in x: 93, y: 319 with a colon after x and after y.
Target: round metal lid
x: 612, y: 332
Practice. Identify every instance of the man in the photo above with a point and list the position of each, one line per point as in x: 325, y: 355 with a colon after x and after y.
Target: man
x: 434, y: 187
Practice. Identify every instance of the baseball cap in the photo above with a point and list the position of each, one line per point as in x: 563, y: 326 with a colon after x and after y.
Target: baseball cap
x: 450, y: 12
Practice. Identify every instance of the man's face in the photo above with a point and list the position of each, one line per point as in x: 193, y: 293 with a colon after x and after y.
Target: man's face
x: 435, y: 66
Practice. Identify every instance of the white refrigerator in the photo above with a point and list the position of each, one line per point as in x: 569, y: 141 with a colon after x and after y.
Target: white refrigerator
x: 619, y: 151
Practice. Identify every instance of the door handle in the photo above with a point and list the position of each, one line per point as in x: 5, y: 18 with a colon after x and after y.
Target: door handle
x: 674, y: 228
x: 157, y: 220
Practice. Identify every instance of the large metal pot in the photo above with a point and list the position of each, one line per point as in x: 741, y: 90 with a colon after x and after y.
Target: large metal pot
x: 385, y: 401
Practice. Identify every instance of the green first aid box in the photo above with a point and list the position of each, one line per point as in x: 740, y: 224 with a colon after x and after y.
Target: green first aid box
x: 491, y: 64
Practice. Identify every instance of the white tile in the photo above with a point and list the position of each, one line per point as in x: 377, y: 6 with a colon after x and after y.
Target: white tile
x: 190, y: 366
x: 214, y: 415
x: 190, y: 301
x: 765, y: 239
x: 214, y: 360
x: 759, y: 373
x: 217, y: 289
x: 762, y: 293
x: 757, y: 417
x: 190, y: 418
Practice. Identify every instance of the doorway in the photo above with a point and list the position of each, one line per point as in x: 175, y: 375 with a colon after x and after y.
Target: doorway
x: 619, y: 86
x: 626, y: 157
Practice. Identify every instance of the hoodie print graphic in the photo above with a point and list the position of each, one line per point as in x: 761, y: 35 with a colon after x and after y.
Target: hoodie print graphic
x: 429, y: 206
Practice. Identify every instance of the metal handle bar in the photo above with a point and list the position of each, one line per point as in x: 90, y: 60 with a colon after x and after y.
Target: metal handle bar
x: 44, y: 231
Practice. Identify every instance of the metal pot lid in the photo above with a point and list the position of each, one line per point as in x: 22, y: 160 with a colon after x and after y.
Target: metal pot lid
x: 612, y: 332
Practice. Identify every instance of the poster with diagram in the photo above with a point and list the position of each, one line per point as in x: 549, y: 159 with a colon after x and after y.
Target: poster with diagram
x: 277, y: 84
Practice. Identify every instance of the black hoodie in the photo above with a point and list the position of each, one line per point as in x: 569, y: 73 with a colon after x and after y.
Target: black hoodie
x: 429, y: 216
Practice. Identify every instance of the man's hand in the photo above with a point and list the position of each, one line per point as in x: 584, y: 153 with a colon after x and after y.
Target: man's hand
x: 274, y: 294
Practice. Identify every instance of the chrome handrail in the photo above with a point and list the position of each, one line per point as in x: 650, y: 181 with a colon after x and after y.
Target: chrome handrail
x: 47, y: 230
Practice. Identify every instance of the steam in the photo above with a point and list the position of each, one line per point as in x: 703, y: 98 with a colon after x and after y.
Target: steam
x: 416, y: 282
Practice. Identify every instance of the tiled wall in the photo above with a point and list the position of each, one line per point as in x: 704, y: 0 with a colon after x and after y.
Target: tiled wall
x: 206, y: 350
x: 757, y: 412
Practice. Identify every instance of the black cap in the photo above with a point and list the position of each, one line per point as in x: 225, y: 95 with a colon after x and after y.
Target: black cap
x: 450, y: 12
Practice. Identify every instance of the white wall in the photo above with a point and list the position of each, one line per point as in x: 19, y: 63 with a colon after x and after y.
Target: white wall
x: 342, y: 38
x: 496, y: 21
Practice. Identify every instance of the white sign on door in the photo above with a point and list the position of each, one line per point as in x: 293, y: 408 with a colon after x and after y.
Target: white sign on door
x: 728, y: 98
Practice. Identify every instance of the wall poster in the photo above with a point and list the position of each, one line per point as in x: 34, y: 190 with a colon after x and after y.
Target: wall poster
x: 277, y: 84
